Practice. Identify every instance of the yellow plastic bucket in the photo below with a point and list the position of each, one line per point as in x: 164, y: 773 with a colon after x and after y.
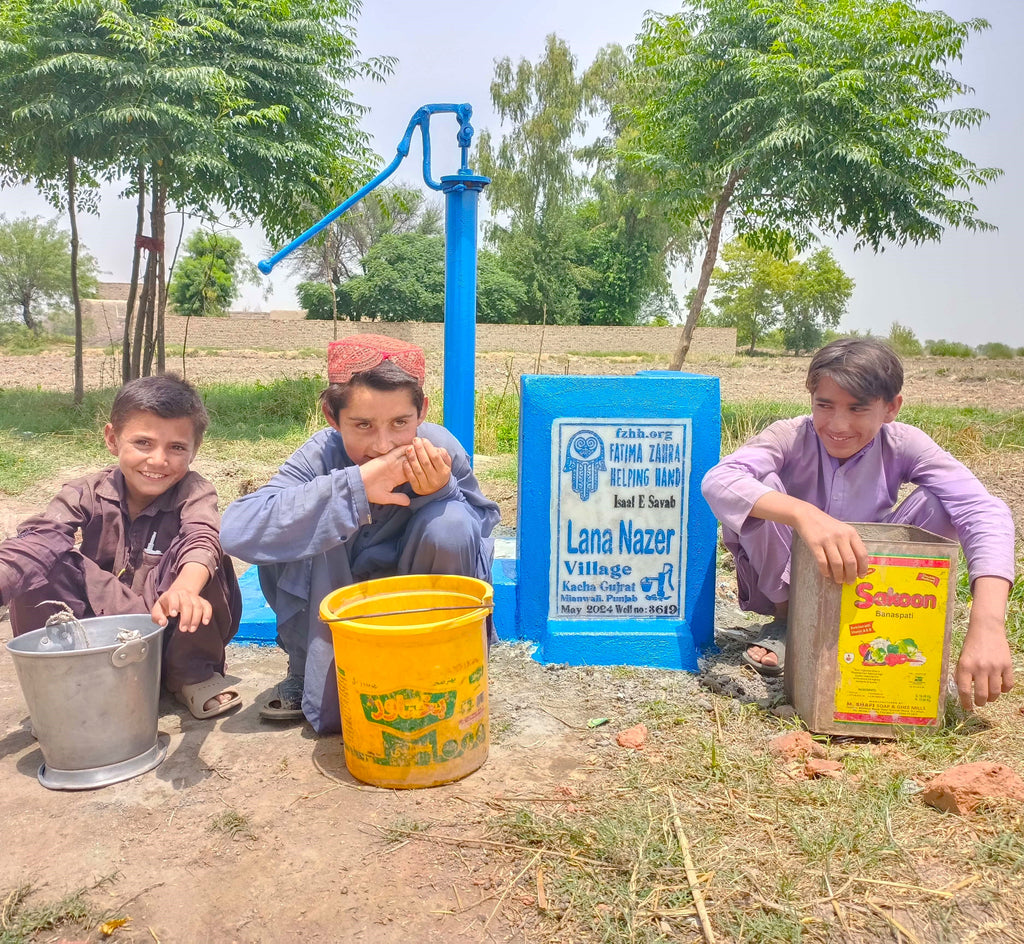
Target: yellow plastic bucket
x: 411, y: 654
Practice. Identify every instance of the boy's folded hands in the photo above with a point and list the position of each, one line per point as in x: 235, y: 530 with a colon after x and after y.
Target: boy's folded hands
x: 426, y: 467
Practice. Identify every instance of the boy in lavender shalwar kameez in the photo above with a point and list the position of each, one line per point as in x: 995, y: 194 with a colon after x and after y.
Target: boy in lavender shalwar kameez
x: 846, y: 462
x: 379, y: 493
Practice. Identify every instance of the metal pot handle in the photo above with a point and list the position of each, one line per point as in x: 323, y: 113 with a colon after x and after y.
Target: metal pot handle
x: 132, y: 651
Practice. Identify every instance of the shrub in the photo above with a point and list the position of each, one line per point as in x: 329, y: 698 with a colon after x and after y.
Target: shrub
x: 315, y: 297
x: 943, y: 348
x: 995, y: 350
x: 903, y: 341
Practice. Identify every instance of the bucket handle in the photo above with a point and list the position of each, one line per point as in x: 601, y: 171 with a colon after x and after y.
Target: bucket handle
x: 424, y: 609
x: 132, y: 651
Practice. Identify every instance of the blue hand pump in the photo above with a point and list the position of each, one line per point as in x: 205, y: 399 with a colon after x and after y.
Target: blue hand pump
x: 462, y: 196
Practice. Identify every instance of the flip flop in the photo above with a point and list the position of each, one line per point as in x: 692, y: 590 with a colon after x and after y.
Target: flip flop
x: 195, y: 695
x: 774, y: 640
x: 286, y: 705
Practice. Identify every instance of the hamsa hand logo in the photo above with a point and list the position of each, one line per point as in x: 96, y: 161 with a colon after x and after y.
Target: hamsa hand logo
x: 584, y: 458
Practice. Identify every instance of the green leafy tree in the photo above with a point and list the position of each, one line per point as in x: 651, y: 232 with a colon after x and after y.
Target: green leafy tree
x: 535, y: 183
x: 403, y: 280
x: 757, y: 293
x: 903, y: 340
x: 35, y: 269
x: 208, y: 278
x: 996, y: 350
x: 582, y: 230
x: 944, y: 348
x: 500, y: 296
x: 317, y: 300
x: 336, y: 254
x: 748, y: 292
x: 816, y: 300
x: 783, y: 119
x: 212, y: 105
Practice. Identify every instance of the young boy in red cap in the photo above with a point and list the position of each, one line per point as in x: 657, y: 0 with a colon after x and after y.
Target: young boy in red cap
x: 378, y: 493
x: 148, y: 544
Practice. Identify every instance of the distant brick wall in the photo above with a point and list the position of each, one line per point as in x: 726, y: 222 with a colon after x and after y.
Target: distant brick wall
x: 248, y: 331
x: 113, y: 291
x: 284, y: 331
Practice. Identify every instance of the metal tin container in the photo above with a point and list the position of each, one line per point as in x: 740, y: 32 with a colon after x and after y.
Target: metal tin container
x: 94, y: 707
x: 868, y: 657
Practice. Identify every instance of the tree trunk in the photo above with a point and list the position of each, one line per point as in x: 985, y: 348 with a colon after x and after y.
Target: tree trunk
x: 334, y: 307
x: 706, y: 268
x: 133, y: 285
x: 142, y: 352
x: 26, y: 313
x: 144, y: 329
x: 76, y: 297
x: 140, y: 318
x: 159, y: 230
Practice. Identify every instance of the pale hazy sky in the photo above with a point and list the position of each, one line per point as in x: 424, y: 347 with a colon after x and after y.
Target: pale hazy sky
x: 966, y: 288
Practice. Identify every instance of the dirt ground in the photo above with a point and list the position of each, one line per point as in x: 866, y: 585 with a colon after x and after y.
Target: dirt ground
x: 313, y: 861
x: 939, y: 381
x: 250, y: 832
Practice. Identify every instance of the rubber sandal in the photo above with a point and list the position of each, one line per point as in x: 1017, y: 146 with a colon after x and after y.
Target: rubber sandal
x: 774, y: 640
x: 195, y: 695
x: 286, y: 705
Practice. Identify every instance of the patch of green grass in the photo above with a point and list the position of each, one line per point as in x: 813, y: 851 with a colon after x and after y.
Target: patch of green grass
x: 19, y: 468
x: 21, y: 923
x: 234, y: 824
x: 963, y: 431
x: 1015, y: 615
x: 497, y: 423
x: 504, y: 468
x: 740, y: 421
x: 1004, y: 850
x: 36, y: 412
x: 261, y: 410
x: 18, y: 339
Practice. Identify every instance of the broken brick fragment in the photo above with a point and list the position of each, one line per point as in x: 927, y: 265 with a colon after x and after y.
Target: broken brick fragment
x: 634, y: 738
x: 795, y: 745
x: 962, y: 788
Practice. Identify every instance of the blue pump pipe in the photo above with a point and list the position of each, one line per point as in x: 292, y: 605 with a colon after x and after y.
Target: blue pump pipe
x: 462, y: 196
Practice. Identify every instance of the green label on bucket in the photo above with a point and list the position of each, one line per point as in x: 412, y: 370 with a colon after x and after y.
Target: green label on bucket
x: 422, y: 751
x: 408, y: 709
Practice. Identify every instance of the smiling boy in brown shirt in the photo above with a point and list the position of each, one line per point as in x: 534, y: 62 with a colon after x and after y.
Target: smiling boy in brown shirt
x: 149, y: 531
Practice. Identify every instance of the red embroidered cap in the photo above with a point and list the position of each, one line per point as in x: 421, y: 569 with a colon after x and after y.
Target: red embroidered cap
x: 362, y: 352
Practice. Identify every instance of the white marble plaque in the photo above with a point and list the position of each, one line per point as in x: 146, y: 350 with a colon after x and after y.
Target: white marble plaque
x: 618, y: 521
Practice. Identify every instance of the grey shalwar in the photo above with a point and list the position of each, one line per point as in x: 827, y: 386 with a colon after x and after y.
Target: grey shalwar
x: 312, y: 530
